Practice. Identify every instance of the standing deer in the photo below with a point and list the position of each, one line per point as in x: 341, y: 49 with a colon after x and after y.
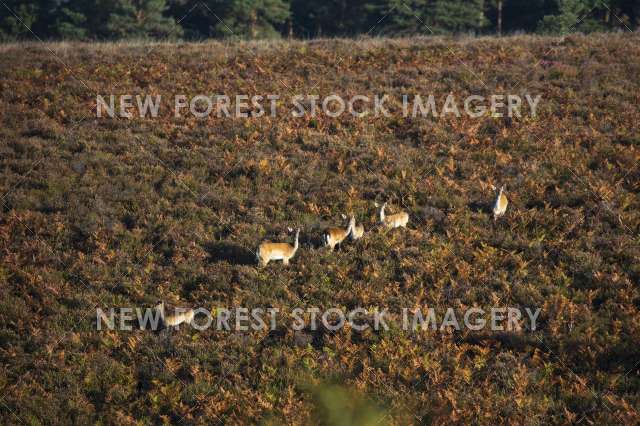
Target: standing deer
x: 396, y: 220
x: 179, y: 315
x: 357, y: 231
x: 335, y: 236
x: 268, y: 251
x: 501, y: 204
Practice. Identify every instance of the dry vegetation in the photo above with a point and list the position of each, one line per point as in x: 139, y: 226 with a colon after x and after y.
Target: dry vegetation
x: 106, y: 212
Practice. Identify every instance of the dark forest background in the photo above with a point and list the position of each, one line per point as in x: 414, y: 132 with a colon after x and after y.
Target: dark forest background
x: 258, y: 19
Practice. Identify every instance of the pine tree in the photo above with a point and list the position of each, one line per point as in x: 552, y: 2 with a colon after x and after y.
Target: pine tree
x: 458, y: 16
x: 15, y: 27
x: 400, y: 17
x: 200, y: 19
x: 573, y: 15
x: 427, y: 17
x: 141, y: 19
x: 507, y: 16
x: 70, y: 24
x: 313, y: 18
x: 246, y: 18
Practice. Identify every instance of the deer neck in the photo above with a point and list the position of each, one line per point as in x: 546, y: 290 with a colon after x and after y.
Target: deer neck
x: 295, y: 244
x: 350, y: 228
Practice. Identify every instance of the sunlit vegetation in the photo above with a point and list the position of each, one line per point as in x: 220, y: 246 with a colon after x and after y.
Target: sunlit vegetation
x: 124, y: 212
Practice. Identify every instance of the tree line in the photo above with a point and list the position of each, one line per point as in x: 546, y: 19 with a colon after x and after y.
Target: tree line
x: 259, y: 19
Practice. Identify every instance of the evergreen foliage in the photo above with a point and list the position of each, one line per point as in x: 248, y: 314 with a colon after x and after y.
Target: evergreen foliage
x: 259, y: 19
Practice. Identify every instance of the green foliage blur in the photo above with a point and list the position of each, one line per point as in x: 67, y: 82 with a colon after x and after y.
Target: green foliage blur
x: 337, y: 406
x: 263, y: 19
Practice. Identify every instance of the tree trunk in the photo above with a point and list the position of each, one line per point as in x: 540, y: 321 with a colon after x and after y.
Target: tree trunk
x: 253, y: 24
x: 499, y: 6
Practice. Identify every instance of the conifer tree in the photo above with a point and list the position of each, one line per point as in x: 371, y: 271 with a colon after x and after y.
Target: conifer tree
x: 141, y: 19
x: 70, y: 24
x: 17, y: 18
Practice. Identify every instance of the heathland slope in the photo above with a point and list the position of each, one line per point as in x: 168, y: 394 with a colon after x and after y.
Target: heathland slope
x: 120, y: 212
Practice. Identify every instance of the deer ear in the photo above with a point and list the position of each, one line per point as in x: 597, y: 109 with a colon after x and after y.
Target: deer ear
x: 375, y: 203
x: 290, y: 229
x: 344, y: 216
